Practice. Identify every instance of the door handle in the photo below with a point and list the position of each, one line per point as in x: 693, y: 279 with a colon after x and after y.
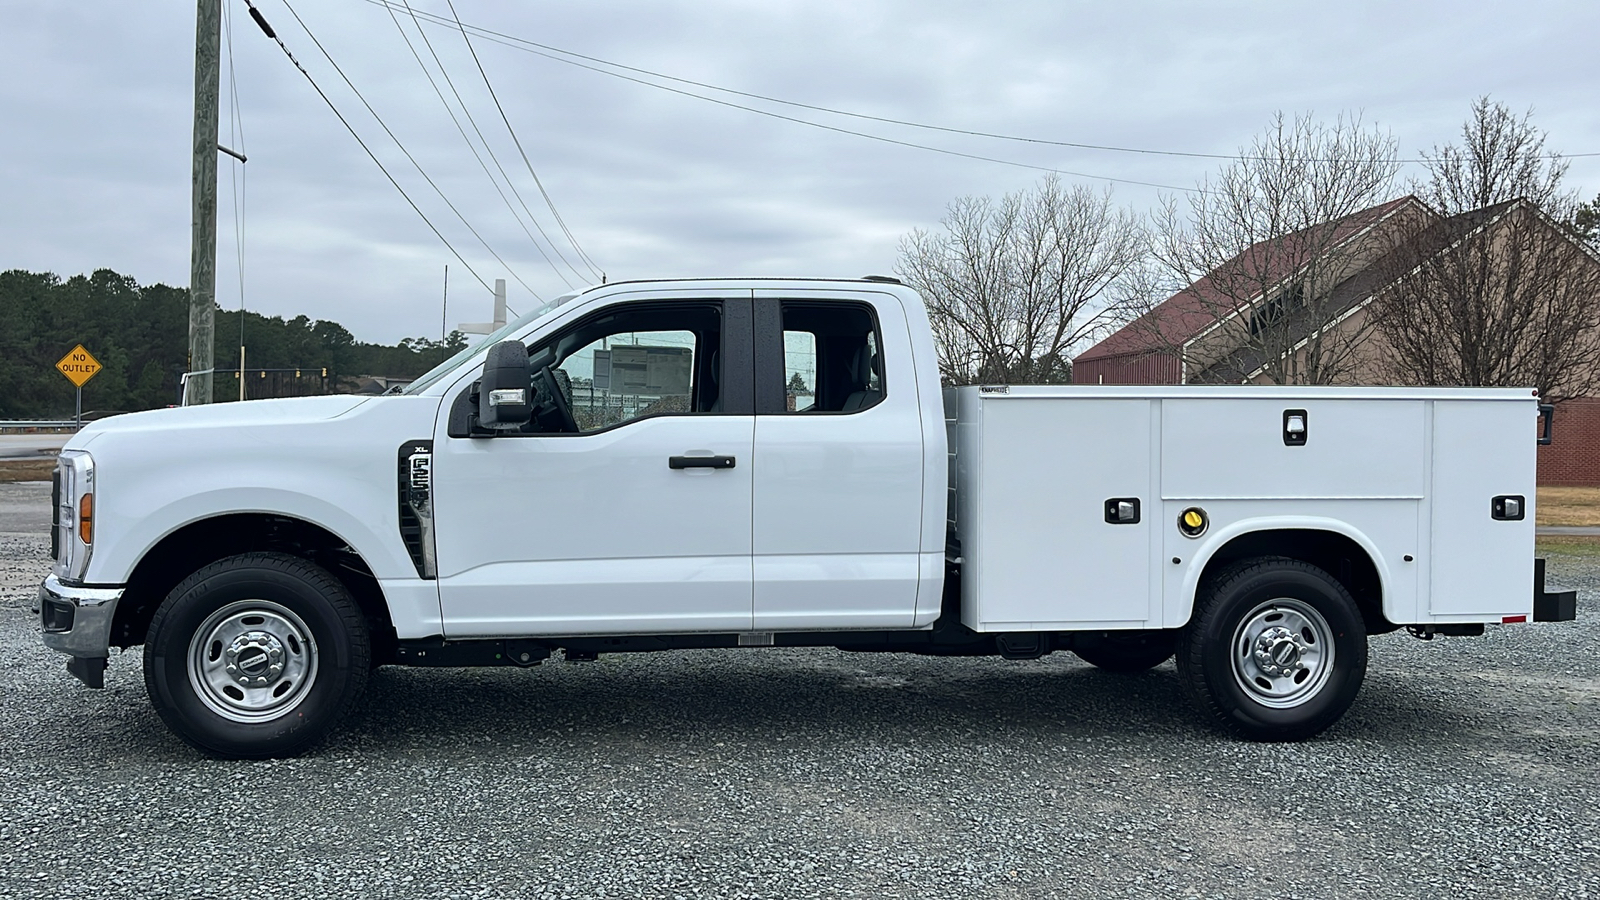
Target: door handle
x: 700, y: 462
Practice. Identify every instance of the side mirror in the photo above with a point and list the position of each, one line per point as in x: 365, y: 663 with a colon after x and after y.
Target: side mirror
x: 503, y: 401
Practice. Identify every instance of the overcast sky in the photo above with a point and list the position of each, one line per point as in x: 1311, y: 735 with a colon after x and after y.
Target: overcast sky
x: 97, y: 103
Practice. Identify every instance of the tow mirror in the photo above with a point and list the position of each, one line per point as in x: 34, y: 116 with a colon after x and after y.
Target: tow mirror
x: 503, y: 401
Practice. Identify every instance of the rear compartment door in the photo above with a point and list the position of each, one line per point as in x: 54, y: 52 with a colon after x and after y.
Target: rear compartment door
x: 1481, y: 567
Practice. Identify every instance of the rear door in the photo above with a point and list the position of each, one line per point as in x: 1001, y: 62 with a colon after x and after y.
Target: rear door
x: 838, y: 480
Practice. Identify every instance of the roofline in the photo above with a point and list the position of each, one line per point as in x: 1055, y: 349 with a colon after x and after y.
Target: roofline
x: 882, y: 280
x: 1409, y: 198
x: 1363, y: 304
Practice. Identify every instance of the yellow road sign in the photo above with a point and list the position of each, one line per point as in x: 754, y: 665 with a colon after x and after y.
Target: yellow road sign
x: 79, y: 366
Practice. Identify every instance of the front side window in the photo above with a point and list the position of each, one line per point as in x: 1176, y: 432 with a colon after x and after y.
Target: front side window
x: 633, y: 363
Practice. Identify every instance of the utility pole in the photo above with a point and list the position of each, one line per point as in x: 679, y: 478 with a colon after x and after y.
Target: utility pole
x: 203, y: 233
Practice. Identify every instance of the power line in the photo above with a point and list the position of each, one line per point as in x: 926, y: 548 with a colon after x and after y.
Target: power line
x: 548, y: 202
x: 516, y: 44
x: 500, y: 37
x: 473, y: 147
x: 403, y: 150
x: 266, y: 29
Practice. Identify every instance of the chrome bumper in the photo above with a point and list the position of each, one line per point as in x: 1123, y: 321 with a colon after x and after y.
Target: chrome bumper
x: 77, y: 620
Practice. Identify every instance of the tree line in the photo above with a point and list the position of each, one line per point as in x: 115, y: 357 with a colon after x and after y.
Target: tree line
x: 1263, y: 248
x: 140, y: 335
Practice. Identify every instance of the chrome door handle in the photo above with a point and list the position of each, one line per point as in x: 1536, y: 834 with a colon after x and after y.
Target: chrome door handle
x: 700, y: 462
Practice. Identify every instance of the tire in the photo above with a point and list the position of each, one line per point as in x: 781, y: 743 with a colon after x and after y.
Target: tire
x: 1128, y: 652
x: 1276, y: 650
x: 255, y: 656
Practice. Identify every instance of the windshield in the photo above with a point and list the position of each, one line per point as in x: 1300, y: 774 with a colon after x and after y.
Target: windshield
x: 499, y: 334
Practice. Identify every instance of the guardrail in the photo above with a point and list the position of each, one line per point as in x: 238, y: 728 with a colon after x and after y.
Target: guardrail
x: 37, y: 426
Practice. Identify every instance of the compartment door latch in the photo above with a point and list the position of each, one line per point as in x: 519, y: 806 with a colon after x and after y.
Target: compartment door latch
x: 1122, y: 511
x: 1295, y: 425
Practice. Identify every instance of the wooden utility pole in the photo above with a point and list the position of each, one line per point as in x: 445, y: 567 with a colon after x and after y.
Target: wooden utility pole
x: 203, y: 233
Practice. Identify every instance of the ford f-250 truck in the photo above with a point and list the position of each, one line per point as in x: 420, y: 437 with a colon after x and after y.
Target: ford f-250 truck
x: 758, y: 463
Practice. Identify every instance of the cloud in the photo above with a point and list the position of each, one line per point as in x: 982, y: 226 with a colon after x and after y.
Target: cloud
x: 96, y: 157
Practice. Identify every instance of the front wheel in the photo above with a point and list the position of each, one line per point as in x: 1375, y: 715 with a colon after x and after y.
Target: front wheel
x: 257, y: 655
x: 1276, y: 650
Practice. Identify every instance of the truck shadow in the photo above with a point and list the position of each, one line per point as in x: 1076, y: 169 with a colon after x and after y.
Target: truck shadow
x: 812, y: 696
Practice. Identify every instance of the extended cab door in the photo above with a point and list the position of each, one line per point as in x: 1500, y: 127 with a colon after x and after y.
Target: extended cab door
x: 838, y: 463
x: 623, y: 525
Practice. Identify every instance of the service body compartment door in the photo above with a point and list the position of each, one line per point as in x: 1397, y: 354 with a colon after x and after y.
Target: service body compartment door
x: 1223, y: 448
x: 1481, y: 568
x: 1038, y: 551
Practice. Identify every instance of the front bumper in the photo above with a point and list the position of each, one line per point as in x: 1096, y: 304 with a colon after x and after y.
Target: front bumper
x: 77, y: 621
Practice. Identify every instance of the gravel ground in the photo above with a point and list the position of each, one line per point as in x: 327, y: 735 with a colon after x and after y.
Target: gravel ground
x: 1467, y: 768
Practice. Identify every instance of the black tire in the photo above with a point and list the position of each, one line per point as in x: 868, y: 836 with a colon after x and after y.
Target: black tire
x: 255, y: 656
x: 1129, y: 651
x: 1276, y: 650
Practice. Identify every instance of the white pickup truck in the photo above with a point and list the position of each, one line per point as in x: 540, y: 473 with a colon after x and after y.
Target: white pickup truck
x: 667, y: 465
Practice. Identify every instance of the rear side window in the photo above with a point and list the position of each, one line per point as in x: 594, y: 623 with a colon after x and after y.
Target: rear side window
x: 832, y: 359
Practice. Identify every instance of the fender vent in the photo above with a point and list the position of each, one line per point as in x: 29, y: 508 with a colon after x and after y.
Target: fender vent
x: 415, y: 494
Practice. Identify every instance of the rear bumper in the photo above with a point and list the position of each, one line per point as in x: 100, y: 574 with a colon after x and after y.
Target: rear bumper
x: 77, y: 620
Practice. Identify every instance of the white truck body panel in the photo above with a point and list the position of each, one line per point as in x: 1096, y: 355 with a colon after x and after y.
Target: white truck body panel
x: 1408, y: 475
x: 593, y: 532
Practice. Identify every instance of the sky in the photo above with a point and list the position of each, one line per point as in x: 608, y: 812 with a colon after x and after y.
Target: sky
x: 96, y: 101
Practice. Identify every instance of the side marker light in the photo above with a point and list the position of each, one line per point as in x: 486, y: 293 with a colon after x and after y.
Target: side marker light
x: 86, y: 518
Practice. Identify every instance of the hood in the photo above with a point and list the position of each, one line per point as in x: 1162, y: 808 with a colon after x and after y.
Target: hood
x: 285, y: 411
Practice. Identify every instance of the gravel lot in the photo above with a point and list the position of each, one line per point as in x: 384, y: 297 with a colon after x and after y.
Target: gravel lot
x: 1468, y: 768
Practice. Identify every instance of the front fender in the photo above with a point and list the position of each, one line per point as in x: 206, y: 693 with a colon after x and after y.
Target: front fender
x: 386, y: 557
x: 340, y: 474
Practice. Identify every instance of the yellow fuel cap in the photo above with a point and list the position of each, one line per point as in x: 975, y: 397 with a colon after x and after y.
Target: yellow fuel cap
x: 1192, y: 522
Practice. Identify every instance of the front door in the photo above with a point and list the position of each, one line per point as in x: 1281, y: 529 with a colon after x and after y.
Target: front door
x: 618, y: 526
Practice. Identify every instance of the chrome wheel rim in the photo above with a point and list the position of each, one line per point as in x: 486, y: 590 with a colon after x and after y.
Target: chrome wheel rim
x: 252, y: 661
x: 1282, y: 653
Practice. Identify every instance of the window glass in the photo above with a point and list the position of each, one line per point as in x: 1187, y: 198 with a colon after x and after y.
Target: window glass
x: 800, y: 369
x: 831, y: 359
x: 632, y: 362
x: 620, y: 377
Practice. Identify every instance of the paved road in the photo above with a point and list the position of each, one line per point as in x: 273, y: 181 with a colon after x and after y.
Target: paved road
x: 31, y: 446
x: 1469, y: 768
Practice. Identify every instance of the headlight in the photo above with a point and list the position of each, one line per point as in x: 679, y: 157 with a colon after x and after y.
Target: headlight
x: 72, y: 526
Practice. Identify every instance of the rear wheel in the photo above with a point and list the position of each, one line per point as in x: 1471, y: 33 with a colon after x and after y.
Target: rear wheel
x: 1276, y: 650
x: 1128, y: 651
x: 257, y: 655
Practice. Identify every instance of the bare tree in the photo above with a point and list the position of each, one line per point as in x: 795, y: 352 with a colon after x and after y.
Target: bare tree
x: 1500, y: 290
x: 1257, y: 260
x: 1012, y: 287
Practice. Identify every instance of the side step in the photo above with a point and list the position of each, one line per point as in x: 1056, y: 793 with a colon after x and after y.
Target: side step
x: 1551, y: 606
